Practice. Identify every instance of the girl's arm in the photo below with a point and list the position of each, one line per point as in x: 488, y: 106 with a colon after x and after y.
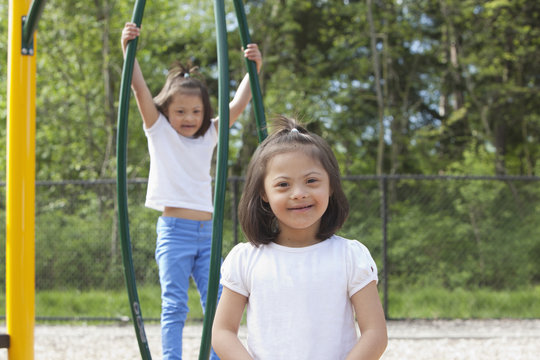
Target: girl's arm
x: 229, y: 313
x: 370, y: 317
x: 143, y: 96
x: 243, y: 93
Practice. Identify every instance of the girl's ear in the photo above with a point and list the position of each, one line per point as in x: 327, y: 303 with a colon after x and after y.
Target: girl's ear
x: 263, y: 197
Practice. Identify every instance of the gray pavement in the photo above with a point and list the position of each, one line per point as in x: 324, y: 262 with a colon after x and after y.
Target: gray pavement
x: 411, y: 339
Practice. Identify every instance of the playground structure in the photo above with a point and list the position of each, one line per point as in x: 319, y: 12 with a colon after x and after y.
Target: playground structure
x: 20, y: 177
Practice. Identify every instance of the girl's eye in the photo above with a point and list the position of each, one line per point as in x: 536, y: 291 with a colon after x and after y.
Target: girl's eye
x: 311, y: 181
x: 282, y: 184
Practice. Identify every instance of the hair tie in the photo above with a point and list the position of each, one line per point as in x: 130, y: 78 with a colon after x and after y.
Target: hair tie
x: 294, y: 130
x: 186, y: 74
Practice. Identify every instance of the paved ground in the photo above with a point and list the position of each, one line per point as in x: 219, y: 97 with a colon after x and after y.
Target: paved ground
x: 418, y: 340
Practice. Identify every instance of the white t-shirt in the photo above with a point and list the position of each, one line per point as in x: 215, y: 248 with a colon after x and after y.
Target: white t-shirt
x: 299, y: 303
x: 179, y: 167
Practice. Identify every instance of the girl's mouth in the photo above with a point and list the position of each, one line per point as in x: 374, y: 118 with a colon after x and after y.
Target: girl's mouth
x: 301, y: 207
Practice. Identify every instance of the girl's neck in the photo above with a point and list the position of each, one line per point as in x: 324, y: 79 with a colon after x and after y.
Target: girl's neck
x: 297, y: 238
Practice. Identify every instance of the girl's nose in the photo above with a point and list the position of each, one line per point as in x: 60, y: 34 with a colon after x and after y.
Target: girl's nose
x: 299, y: 193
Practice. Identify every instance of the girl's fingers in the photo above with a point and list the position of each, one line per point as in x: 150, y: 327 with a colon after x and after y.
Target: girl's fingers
x: 131, y: 28
x: 131, y: 32
x: 252, y: 49
x: 253, y: 55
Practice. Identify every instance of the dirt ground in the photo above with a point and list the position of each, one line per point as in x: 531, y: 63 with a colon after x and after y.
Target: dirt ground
x: 408, y: 339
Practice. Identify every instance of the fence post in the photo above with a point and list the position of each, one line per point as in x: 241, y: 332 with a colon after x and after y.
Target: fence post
x: 384, y: 218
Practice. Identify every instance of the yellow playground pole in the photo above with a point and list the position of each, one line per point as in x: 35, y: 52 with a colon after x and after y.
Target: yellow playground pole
x: 20, y: 190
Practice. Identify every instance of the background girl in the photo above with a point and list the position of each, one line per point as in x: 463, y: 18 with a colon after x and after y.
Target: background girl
x: 181, y: 138
x: 302, y: 284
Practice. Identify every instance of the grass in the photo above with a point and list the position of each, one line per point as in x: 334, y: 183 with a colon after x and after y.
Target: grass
x: 433, y: 303
x: 101, y: 304
x: 420, y: 302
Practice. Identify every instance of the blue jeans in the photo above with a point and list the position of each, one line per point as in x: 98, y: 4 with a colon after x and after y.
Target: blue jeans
x: 182, y: 250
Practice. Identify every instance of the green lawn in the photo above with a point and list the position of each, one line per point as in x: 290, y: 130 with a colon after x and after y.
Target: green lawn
x: 440, y: 303
x: 409, y: 303
x: 103, y: 304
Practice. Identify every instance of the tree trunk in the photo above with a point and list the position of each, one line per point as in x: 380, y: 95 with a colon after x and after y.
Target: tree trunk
x: 380, y: 101
x: 104, y: 9
x: 453, y: 56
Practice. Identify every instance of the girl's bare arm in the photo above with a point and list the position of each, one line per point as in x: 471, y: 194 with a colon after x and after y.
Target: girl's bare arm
x: 143, y: 96
x: 225, y: 339
x: 370, y: 316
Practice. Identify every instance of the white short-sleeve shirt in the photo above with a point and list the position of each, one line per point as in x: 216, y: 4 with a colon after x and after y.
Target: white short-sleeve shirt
x: 299, y: 303
x: 179, y: 167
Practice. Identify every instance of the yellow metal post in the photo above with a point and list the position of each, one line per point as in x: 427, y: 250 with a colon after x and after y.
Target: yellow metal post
x: 20, y: 190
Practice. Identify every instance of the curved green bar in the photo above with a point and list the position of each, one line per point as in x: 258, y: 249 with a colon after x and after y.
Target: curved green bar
x: 121, y: 186
x: 252, y: 70
x: 30, y: 23
x: 221, y: 179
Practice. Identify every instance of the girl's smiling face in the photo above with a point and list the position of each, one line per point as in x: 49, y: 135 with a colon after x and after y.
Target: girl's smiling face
x: 185, y: 113
x: 297, y: 187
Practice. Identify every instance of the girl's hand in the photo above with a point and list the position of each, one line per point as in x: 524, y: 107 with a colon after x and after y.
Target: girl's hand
x: 253, y: 53
x: 130, y: 32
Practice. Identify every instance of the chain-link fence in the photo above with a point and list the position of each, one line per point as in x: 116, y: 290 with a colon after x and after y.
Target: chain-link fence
x: 445, y: 232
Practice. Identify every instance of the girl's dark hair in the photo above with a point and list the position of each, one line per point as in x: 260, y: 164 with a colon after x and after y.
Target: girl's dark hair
x: 185, y: 80
x: 255, y: 215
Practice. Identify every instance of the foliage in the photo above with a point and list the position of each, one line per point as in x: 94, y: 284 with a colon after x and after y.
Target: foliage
x: 478, y: 234
x: 461, y: 93
x: 455, y: 74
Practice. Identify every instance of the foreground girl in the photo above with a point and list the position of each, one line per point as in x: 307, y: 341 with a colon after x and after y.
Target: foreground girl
x: 301, y: 283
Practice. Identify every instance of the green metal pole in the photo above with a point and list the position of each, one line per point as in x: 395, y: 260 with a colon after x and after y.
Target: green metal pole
x: 29, y: 26
x: 221, y: 179
x: 252, y: 70
x: 121, y: 186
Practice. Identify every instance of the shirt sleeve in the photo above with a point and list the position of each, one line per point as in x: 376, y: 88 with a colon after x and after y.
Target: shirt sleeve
x: 213, y: 131
x: 361, y: 267
x: 160, y: 122
x: 233, y: 274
